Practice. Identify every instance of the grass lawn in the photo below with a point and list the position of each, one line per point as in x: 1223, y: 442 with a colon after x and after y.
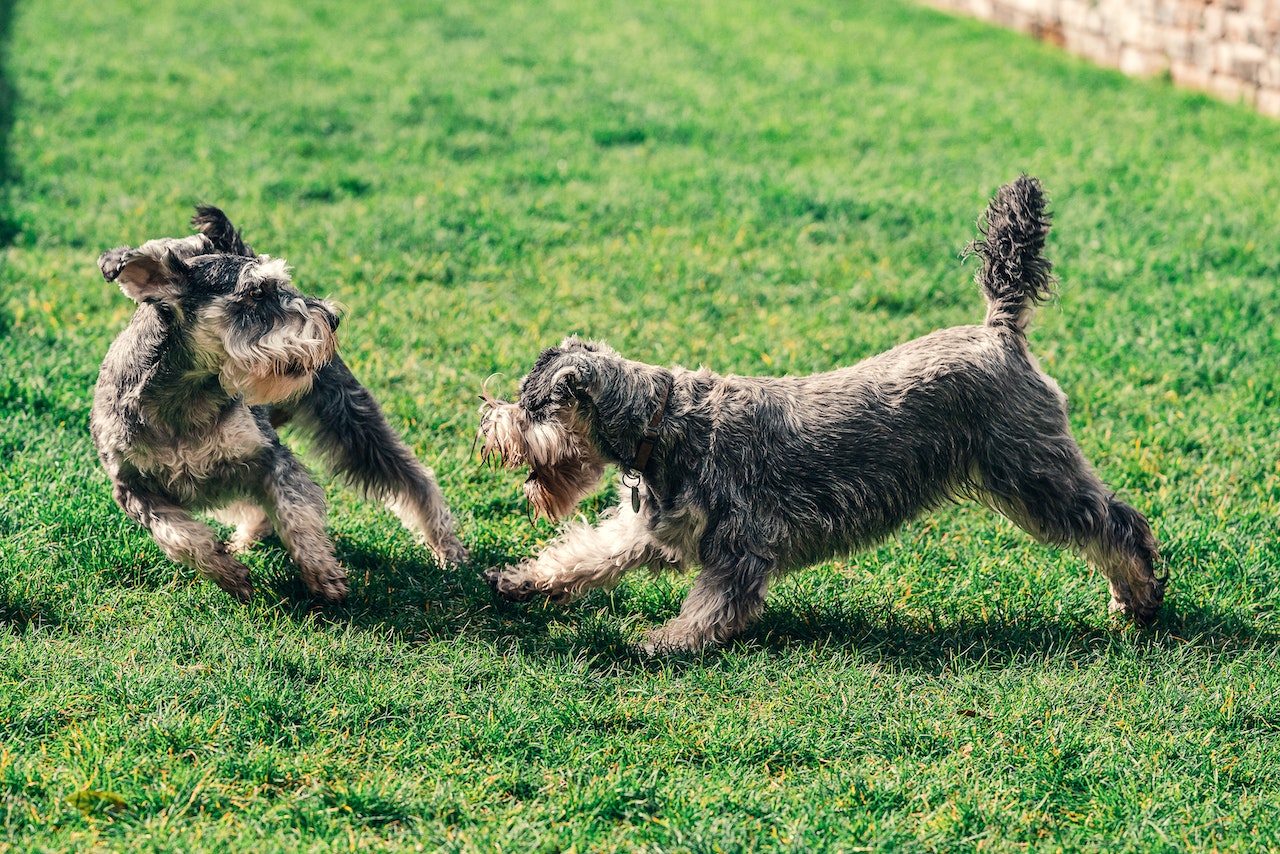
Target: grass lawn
x: 761, y: 187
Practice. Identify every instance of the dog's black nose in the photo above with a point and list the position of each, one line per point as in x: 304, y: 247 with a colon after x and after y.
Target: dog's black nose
x: 333, y: 321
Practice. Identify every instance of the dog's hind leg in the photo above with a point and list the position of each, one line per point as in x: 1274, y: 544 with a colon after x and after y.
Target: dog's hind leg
x: 1125, y: 550
x: 581, y: 559
x: 296, y: 506
x: 725, y: 598
x: 186, y: 540
x: 361, y: 448
x: 251, y: 523
x: 1049, y: 490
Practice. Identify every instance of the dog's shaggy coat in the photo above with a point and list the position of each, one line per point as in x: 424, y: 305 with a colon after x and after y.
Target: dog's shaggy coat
x: 221, y: 350
x: 750, y: 477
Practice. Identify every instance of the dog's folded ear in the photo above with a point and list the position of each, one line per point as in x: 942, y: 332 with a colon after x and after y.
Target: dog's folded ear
x: 112, y: 261
x: 557, y: 378
x: 155, y: 270
x: 144, y: 276
x: 574, y: 376
x: 574, y: 364
x: 213, y: 224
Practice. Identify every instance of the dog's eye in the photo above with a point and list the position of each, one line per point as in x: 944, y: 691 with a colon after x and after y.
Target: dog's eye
x: 255, y: 293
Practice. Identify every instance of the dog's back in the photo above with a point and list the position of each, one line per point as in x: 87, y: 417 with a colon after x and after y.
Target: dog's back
x: 858, y: 450
x: 132, y: 355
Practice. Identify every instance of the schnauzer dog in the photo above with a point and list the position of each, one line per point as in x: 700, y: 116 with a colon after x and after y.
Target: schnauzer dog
x: 751, y: 477
x: 222, y: 350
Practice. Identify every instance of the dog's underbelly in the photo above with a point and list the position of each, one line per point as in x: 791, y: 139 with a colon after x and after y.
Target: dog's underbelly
x: 796, y: 511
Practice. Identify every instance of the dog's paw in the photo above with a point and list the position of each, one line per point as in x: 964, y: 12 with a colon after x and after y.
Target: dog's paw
x: 227, y: 572
x: 239, y: 545
x: 325, y: 580
x: 668, y: 640
x: 509, y: 587
x: 332, y: 588
x: 454, y: 554
x: 237, y: 585
x: 1141, y: 603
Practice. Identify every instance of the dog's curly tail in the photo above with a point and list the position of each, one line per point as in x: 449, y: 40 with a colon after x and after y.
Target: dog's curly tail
x: 1015, y: 275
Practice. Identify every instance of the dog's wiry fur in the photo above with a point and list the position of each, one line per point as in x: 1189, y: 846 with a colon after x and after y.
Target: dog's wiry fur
x: 221, y: 350
x: 751, y: 477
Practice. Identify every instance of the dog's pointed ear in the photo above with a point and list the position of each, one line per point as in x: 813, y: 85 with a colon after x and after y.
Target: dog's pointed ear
x: 214, y: 224
x: 145, y: 276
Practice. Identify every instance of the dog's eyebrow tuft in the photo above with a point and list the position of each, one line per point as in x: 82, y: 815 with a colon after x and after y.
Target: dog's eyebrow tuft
x: 267, y: 270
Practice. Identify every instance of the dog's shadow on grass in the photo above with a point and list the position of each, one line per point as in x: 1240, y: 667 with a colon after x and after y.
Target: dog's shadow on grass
x: 401, y: 588
x: 405, y: 592
x: 419, y: 602
x: 938, y: 642
x: 397, y: 587
x: 17, y: 615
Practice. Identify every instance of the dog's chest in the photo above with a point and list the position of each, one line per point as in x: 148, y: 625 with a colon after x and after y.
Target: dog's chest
x: 197, y: 456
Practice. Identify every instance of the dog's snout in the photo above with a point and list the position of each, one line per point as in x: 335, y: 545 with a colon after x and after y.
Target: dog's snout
x: 333, y: 320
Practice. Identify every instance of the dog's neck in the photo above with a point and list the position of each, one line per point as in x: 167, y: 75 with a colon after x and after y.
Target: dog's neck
x: 649, y: 436
x: 615, y: 429
x: 632, y: 474
x: 175, y: 390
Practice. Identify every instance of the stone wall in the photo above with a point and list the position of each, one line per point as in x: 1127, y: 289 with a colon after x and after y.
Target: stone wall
x: 1228, y: 47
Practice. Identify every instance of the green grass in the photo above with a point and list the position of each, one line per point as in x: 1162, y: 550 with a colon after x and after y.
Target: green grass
x: 761, y: 187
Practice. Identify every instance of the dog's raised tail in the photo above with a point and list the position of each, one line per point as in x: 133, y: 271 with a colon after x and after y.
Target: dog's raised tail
x: 1015, y: 275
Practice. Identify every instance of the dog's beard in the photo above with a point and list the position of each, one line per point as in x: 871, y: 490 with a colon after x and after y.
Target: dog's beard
x: 563, y: 465
x: 264, y: 388
x: 280, y: 365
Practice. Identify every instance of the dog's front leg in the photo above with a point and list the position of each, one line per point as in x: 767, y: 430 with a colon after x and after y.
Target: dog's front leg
x: 581, y: 559
x: 727, y: 595
x: 186, y: 540
x: 360, y: 446
x: 296, y: 506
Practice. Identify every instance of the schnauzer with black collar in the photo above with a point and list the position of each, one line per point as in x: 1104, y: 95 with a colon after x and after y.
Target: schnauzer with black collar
x: 221, y: 350
x: 749, y: 477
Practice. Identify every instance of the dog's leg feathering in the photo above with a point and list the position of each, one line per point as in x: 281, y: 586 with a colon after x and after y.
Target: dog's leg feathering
x: 581, y: 559
x: 186, y: 540
x: 725, y: 598
x: 296, y: 506
x: 361, y: 447
x: 1124, y: 550
x: 251, y: 523
x: 1073, y: 507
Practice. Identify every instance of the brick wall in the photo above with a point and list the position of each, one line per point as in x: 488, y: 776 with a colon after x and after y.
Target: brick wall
x: 1228, y: 47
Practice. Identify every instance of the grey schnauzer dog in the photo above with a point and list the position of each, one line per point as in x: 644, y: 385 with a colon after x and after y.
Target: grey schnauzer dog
x: 221, y: 350
x: 750, y: 477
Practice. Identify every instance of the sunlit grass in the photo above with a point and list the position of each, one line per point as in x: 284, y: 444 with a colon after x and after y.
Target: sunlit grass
x: 757, y: 187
